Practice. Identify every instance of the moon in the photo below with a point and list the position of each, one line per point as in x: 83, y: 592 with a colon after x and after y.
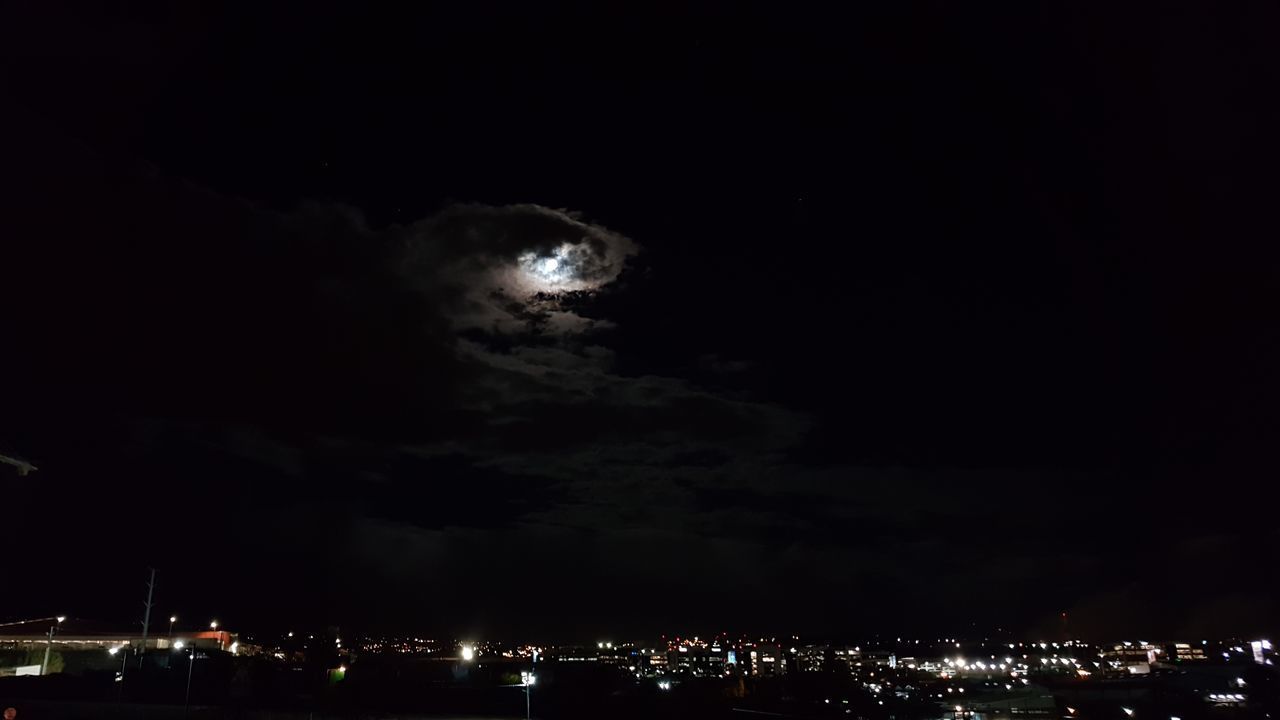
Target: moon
x: 556, y: 270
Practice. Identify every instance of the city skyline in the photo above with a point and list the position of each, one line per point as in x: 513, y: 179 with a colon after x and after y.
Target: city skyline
x: 300, y: 634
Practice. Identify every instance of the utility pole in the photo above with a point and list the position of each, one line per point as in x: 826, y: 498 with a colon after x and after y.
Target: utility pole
x: 146, y: 616
x: 191, y: 666
x: 44, y: 666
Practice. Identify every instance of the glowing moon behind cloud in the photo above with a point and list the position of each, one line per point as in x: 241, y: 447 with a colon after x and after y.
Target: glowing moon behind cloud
x: 494, y: 263
x: 558, y: 270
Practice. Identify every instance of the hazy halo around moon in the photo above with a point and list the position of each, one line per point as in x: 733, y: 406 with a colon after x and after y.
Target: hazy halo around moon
x: 554, y: 271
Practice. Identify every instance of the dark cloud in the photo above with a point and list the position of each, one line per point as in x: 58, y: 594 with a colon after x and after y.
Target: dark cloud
x: 378, y: 409
x: 478, y: 264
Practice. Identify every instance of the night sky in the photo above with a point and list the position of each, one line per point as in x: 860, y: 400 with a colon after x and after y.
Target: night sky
x: 932, y: 317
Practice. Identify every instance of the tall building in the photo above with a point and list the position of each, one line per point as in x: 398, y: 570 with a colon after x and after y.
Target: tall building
x: 765, y: 660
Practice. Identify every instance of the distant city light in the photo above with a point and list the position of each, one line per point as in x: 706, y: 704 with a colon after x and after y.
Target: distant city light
x: 178, y: 645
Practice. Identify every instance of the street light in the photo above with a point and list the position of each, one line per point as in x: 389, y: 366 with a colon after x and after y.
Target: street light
x: 527, y: 679
x: 172, y: 619
x: 468, y: 653
x: 124, y: 660
x: 44, y: 666
x: 190, y: 668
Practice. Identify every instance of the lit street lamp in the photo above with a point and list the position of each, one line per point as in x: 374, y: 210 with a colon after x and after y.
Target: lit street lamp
x: 191, y: 665
x: 44, y: 666
x: 124, y: 660
x: 213, y: 625
x: 172, y: 619
x: 527, y: 679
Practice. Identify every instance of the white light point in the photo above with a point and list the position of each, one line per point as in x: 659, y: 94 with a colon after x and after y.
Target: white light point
x: 555, y: 271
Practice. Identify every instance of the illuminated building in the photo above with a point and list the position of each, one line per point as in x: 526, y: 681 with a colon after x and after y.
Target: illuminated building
x: 1261, y: 651
x: 1134, y: 658
x: 698, y: 659
x: 812, y: 658
x: 1185, y: 652
x: 765, y: 660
